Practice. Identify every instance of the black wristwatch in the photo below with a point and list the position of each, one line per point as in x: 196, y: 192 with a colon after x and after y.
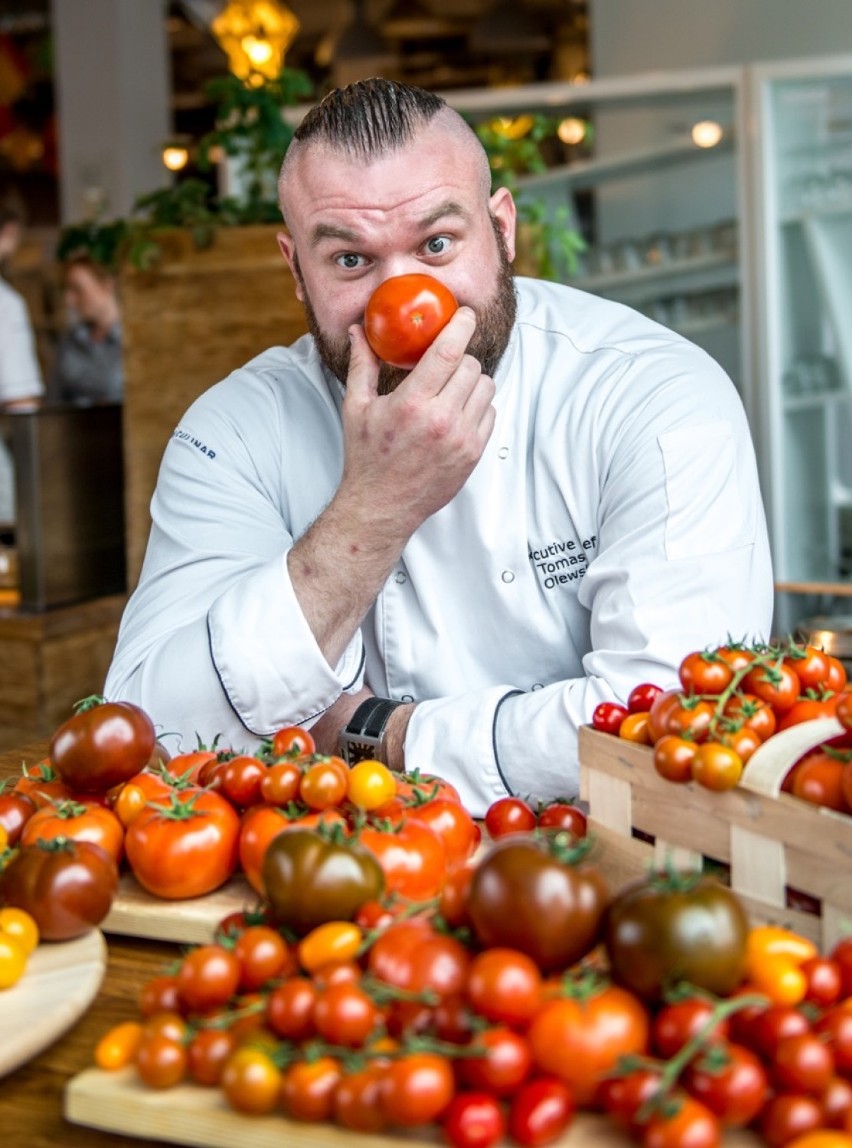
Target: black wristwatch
x: 363, y: 736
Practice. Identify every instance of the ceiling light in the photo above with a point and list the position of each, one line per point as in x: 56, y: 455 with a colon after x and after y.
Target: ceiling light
x: 706, y: 133
x: 255, y: 34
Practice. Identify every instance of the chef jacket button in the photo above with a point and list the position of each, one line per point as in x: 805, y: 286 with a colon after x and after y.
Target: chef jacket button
x: 400, y: 577
x: 508, y: 576
x: 503, y: 452
x: 407, y: 698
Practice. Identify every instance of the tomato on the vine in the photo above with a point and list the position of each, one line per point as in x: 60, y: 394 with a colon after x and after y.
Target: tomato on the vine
x: 716, y: 766
x: 705, y: 672
x: 80, y: 820
x: 473, y: 1120
x: 292, y: 741
x: 731, y: 1081
x: 540, y: 1111
x: 412, y: 856
x: 404, y: 315
x: 776, y: 683
x: 416, y: 1089
x: 208, y: 977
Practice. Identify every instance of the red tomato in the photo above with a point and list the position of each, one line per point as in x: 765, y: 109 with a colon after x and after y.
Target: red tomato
x: 802, y: 1063
x: 673, y: 757
x: 809, y: 709
x: 416, y: 1089
x: 752, y: 712
x: 563, y: 815
x: 102, y: 744
x: 412, y: 856
x: 731, y: 1081
x: 184, y: 849
x: 509, y: 815
x: 42, y: 784
x: 207, y: 1053
x: 207, y: 978
x: 258, y: 827
x: 608, y: 716
x: 66, y: 886
x: 280, y: 784
x: 677, y: 1023
x: 842, y: 954
x: 540, y: 1111
x: 506, y: 1062
x: 811, y: 666
x: 292, y: 741
x: 843, y: 710
x: 787, y: 1116
x: 836, y: 679
x: 290, y: 1009
x: 263, y: 955
x: 580, y: 1041
x: 81, y: 821
x: 15, y: 811
x: 452, y: 823
x: 357, y: 1100
x: 240, y: 780
x: 307, y: 1091
x: 705, y: 672
x: 681, y: 714
x: 473, y: 1120
x: 641, y: 697
x: 504, y: 986
x: 819, y: 779
x: 403, y: 316
x: 324, y: 783
x: 690, y: 1125
x: 626, y: 1097
x: 776, y: 683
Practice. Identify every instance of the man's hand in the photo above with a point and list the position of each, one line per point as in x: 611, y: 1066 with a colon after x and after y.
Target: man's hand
x: 409, y: 453
x: 405, y: 456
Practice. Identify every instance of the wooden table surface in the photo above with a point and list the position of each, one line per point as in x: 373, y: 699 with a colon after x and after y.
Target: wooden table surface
x: 31, y: 1097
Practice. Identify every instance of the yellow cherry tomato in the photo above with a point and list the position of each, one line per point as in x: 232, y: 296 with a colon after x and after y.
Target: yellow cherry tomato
x: 779, y: 978
x: 371, y: 784
x: 18, y: 923
x: 118, y: 1047
x: 635, y: 727
x: 4, y: 838
x: 129, y: 802
x: 821, y: 1138
x: 13, y: 961
x: 333, y: 941
x: 773, y: 940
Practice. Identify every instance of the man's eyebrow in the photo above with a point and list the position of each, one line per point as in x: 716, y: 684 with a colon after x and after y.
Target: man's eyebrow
x: 332, y: 231
x: 449, y: 207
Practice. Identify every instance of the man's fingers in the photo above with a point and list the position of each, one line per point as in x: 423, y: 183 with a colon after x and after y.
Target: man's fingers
x: 443, y: 358
x: 363, y: 377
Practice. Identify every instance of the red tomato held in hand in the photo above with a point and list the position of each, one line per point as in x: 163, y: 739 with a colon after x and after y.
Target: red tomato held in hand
x: 403, y: 316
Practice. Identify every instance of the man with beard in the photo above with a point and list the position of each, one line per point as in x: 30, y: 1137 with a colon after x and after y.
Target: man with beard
x: 455, y: 563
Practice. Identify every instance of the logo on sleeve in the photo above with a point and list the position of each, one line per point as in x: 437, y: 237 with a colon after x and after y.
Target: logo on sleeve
x: 185, y: 436
x: 560, y: 563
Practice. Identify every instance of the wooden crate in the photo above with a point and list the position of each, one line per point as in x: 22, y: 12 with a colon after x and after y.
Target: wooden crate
x: 776, y: 846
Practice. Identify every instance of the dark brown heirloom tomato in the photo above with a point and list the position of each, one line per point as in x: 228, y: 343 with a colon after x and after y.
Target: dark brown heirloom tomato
x: 310, y: 877
x: 669, y: 928
x: 102, y: 744
x: 529, y: 894
x: 66, y: 886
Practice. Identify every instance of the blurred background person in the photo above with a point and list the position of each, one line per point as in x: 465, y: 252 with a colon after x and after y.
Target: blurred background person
x: 21, y: 383
x: 88, y: 365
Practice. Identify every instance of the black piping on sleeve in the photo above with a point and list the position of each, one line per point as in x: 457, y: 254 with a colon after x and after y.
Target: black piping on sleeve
x: 510, y: 694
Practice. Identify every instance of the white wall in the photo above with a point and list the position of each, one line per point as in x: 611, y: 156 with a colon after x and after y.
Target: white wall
x: 112, y: 88
x: 629, y: 36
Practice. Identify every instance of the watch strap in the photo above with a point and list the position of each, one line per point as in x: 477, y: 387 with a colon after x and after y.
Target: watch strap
x: 363, y: 734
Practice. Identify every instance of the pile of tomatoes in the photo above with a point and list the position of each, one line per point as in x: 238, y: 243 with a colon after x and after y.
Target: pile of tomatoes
x: 733, y: 698
x: 457, y: 1013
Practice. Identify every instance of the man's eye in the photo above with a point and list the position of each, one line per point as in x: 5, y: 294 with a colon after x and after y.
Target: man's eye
x: 349, y: 260
x: 438, y: 244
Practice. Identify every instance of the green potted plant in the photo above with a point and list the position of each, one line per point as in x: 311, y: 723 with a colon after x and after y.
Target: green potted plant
x: 549, y: 245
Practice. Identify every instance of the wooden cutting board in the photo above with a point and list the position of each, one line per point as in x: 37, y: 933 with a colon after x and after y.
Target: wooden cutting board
x: 118, y: 1102
x: 136, y: 913
x: 61, y: 980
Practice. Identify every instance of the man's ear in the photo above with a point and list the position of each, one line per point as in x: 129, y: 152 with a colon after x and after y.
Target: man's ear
x: 287, y: 247
x: 502, y: 208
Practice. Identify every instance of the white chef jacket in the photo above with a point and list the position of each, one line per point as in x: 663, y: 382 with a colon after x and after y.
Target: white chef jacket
x: 612, y: 525
x: 20, y: 375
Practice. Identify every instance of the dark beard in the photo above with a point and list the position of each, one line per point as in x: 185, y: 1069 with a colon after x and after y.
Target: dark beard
x: 494, y: 322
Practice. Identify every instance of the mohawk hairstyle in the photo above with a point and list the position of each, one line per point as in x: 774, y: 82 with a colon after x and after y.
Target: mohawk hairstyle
x: 369, y: 118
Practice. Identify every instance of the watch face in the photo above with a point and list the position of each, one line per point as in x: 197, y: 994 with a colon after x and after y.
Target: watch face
x: 355, y: 751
